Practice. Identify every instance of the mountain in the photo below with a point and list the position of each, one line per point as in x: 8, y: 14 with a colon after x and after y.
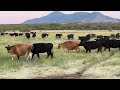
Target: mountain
x: 59, y: 17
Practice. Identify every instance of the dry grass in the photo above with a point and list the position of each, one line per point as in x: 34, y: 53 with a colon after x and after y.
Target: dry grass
x: 105, y: 65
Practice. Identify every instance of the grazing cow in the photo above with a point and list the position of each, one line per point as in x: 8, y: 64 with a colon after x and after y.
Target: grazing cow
x: 6, y: 33
x: 2, y: 33
x: 44, y: 35
x: 11, y: 34
x: 70, y: 36
x: 20, y: 34
x: 33, y: 34
x: 16, y: 34
x: 42, y: 48
x: 27, y: 35
x: 84, y: 38
x: 111, y: 44
x: 58, y: 35
x: 92, y: 45
x: 69, y: 45
x: 20, y: 50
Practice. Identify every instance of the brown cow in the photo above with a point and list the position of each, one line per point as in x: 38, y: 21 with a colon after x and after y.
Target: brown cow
x: 69, y: 45
x: 20, y: 50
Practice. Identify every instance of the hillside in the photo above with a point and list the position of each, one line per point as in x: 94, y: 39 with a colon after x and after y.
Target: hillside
x: 59, y: 17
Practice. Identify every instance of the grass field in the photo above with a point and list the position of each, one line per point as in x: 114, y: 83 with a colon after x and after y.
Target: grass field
x: 90, y: 65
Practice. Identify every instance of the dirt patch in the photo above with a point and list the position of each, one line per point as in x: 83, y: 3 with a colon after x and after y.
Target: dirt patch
x: 70, y: 76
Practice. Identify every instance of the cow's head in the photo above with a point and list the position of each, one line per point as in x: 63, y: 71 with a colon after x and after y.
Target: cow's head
x: 8, y: 48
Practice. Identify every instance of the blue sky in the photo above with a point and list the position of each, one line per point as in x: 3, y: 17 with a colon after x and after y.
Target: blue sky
x: 17, y: 17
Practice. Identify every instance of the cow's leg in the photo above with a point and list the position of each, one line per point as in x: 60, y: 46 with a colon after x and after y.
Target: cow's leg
x: 104, y: 48
x: 68, y: 50
x: 51, y: 55
x: 98, y: 50
x: 90, y: 50
x: 86, y: 50
x: 33, y: 55
x: 12, y: 58
x: 101, y: 49
x: 18, y: 57
x: 77, y: 49
x: 29, y: 55
x: 38, y: 55
x: 48, y: 54
x: 109, y: 49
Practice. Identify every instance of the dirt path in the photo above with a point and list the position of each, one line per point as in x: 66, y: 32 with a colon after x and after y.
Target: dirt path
x: 77, y: 75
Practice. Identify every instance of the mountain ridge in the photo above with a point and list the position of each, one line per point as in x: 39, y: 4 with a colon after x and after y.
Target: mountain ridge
x: 59, y: 17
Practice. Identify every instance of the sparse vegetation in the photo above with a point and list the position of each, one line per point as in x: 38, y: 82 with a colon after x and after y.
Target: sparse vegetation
x: 70, y: 26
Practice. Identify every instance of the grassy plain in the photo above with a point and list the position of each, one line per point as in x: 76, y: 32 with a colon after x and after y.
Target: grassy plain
x: 90, y: 65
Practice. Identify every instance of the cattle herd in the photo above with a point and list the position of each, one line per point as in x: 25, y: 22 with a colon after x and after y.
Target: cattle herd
x: 30, y: 49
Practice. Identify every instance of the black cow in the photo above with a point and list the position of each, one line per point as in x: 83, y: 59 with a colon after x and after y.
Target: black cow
x: 6, y: 33
x: 92, y: 45
x: 27, y: 35
x: 44, y: 35
x: 16, y: 34
x: 20, y: 34
x: 2, y: 33
x: 11, y: 34
x: 33, y: 34
x: 42, y: 48
x: 70, y: 36
x: 84, y: 38
x: 58, y: 35
x: 111, y: 44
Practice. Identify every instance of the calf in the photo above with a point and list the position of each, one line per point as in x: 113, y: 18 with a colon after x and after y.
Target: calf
x: 70, y: 36
x: 33, y: 34
x: 58, y: 35
x: 20, y: 50
x: 42, y: 48
x: 27, y: 35
x: 16, y: 34
x: 69, y: 45
x: 44, y: 35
